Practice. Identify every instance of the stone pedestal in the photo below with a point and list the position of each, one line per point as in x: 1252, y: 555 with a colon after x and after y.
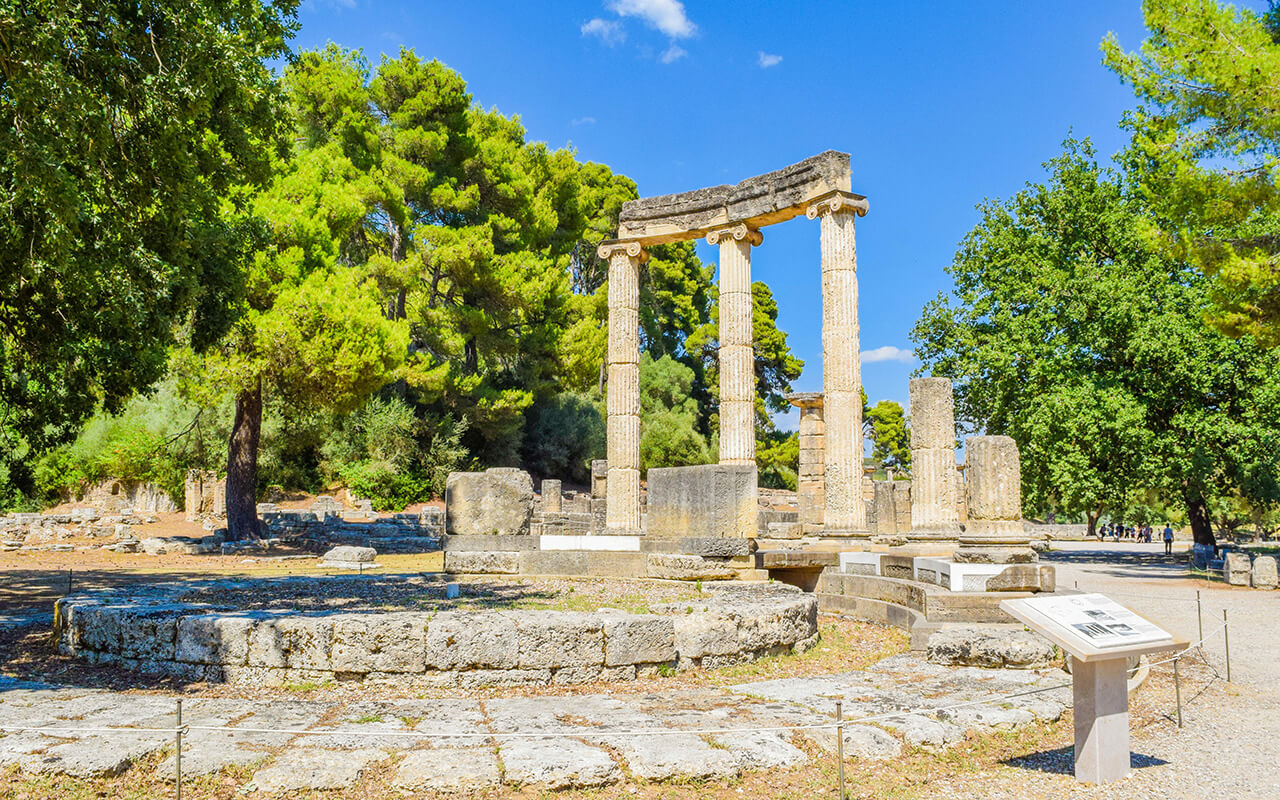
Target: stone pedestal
x: 1101, y: 712
x: 845, y: 510
x: 811, y: 487
x: 622, y: 496
x: 934, y: 505
x: 736, y: 356
x: 995, y: 533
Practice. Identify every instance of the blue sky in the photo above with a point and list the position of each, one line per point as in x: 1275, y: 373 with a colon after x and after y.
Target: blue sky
x: 941, y: 106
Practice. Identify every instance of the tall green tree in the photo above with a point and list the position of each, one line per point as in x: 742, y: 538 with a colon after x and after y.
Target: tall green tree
x: 890, y: 439
x: 129, y: 128
x: 1069, y: 332
x: 1205, y: 152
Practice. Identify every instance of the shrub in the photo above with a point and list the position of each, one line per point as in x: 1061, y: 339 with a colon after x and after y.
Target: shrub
x: 562, y: 436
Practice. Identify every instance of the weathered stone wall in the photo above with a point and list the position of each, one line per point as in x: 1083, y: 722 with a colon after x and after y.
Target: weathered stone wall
x: 115, y: 496
x: 704, y: 501
x: 152, y: 632
x: 205, y: 495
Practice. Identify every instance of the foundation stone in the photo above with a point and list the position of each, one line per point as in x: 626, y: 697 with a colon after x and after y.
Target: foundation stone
x: 1264, y: 572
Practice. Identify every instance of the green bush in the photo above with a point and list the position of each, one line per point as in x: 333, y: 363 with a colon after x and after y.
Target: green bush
x: 671, y: 439
x: 385, y: 452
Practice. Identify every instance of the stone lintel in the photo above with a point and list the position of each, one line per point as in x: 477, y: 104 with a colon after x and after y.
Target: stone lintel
x: 805, y: 399
x: 762, y: 200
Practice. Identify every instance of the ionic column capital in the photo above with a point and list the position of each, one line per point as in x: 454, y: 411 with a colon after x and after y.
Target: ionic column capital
x: 606, y: 250
x: 838, y: 202
x: 738, y: 232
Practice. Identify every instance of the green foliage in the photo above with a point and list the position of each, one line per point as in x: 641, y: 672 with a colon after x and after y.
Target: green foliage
x: 384, y: 451
x: 669, y: 435
x: 154, y: 439
x: 1205, y: 152
x: 891, y: 441
x: 130, y: 130
x: 1068, y: 332
x: 778, y: 460
x: 563, y: 435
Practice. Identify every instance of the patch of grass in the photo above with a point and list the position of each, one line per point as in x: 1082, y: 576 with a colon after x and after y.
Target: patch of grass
x: 308, y: 686
x: 367, y: 719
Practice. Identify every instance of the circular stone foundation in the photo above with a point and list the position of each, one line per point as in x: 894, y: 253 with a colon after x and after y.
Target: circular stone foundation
x: 403, y: 629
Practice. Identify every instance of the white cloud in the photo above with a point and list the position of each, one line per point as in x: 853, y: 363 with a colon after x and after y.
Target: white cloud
x: 673, y: 53
x: 888, y: 353
x: 769, y: 60
x: 583, y: 121
x: 608, y: 31
x: 666, y: 15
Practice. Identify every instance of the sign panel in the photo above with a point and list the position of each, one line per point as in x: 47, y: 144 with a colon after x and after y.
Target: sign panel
x: 1095, y: 621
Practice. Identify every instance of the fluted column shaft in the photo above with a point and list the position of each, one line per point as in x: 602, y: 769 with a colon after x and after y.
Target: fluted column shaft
x: 934, y: 504
x: 846, y: 508
x: 622, y: 402
x: 737, y: 356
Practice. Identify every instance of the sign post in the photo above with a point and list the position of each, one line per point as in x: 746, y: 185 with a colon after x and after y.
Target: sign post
x: 1099, y: 636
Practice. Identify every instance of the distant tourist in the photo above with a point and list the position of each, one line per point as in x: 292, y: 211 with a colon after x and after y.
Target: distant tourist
x: 1168, y: 540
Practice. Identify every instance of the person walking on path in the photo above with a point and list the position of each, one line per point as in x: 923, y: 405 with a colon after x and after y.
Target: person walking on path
x: 1168, y: 540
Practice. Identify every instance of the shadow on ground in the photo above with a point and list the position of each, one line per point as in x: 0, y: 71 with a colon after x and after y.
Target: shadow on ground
x: 1061, y: 761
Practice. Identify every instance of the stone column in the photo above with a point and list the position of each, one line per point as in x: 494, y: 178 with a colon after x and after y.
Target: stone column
x: 934, y: 506
x: 810, y: 489
x: 736, y: 357
x: 622, y: 494
x: 993, y: 474
x: 846, y: 510
x: 551, y: 496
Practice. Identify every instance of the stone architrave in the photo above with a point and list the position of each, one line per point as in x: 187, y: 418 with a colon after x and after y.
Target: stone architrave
x: 706, y: 501
x: 934, y: 506
x: 845, y: 511
x: 622, y: 495
x: 995, y: 533
x: 736, y: 356
x: 810, y: 489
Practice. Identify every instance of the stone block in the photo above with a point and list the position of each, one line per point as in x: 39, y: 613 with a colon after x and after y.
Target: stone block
x: 712, y: 500
x: 719, y: 547
x: 496, y: 501
x: 701, y: 635
x: 291, y: 642
x: 1264, y: 572
x: 1236, y: 569
x: 351, y: 555
x: 462, y: 641
x: 685, y: 568
x: 379, y: 643
x: 638, y: 639
x: 554, y: 639
x: 599, y: 478
x: 1017, y: 578
x: 214, y: 638
x: 501, y: 562
x: 976, y: 646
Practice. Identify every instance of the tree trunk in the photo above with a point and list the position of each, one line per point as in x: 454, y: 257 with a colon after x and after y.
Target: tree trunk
x: 242, y: 467
x: 1092, y: 518
x: 1201, y: 530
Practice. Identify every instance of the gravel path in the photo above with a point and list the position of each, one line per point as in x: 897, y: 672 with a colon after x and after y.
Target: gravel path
x: 1230, y: 745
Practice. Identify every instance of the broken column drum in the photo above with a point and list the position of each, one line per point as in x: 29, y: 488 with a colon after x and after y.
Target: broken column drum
x: 730, y: 217
x: 995, y: 532
x: 934, y: 505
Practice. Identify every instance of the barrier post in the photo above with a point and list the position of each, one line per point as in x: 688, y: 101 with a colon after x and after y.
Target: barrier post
x: 1177, y: 690
x: 1226, y: 643
x: 177, y: 755
x: 840, y: 746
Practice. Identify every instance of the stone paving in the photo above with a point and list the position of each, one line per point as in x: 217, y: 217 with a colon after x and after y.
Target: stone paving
x: 463, y: 744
